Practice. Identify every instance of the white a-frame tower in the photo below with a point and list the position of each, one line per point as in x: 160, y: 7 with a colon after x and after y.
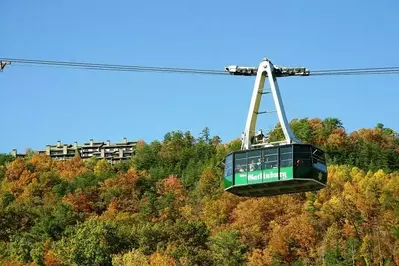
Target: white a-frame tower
x: 266, y: 70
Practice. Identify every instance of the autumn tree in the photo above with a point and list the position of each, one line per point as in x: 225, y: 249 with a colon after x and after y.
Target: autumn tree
x: 69, y: 169
x: 90, y: 243
x: 123, y: 193
x: 227, y: 249
x: 102, y: 167
x: 133, y: 257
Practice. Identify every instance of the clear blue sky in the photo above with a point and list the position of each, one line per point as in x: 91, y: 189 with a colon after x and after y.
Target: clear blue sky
x: 42, y: 105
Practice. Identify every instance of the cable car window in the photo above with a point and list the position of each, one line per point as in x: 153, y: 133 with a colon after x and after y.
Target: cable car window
x: 302, y: 149
x: 286, y: 156
x: 302, y: 155
x: 240, y: 162
x: 318, y: 156
x: 254, y: 160
x: 270, y: 158
x: 228, y: 168
x: 318, y: 159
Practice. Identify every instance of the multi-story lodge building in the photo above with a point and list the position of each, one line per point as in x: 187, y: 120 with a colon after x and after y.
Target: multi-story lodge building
x: 113, y: 152
x: 61, y: 151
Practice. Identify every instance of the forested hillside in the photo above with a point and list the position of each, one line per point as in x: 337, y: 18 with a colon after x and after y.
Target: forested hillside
x: 167, y: 206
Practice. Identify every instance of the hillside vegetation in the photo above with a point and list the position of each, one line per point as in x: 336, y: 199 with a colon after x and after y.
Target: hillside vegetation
x: 167, y: 206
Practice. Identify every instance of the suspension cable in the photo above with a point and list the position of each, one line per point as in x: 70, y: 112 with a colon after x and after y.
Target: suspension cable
x: 139, y: 68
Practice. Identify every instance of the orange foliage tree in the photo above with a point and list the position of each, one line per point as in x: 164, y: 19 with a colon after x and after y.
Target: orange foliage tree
x: 69, y: 169
x: 121, y: 192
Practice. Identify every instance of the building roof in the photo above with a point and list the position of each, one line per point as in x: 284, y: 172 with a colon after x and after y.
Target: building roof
x: 126, y: 143
x: 87, y: 145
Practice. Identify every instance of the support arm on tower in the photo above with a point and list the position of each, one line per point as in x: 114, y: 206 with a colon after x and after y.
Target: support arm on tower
x: 3, y: 65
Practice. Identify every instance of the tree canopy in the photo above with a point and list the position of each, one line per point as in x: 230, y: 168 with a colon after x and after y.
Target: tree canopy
x: 167, y: 206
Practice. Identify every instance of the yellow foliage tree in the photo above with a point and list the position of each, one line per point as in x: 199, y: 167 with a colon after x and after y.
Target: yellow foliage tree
x: 102, y: 166
x: 253, y: 216
x: 158, y: 259
x: 41, y: 162
x: 218, y: 212
x: 15, y: 169
x: 133, y: 257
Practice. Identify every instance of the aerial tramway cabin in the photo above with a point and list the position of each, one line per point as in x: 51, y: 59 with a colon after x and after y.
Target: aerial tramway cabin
x: 262, y: 168
x: 275, y: 170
